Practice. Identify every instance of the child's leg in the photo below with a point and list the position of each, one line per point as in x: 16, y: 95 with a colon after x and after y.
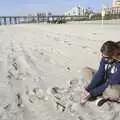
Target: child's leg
x: 88, y: 74
x: 112, y: 92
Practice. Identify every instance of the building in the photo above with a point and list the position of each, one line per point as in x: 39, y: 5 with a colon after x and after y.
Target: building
x: 112, y: 10
x: 116, y: 3
x: 115, y: 9
x: 48, y: 14
x: 75, y: 11
x: 78, y: 11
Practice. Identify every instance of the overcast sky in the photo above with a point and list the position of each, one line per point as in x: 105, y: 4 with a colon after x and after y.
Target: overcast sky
x: 21, y: 7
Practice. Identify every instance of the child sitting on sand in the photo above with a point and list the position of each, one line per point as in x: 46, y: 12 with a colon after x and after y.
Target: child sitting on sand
x: 112, y: 93
x: 105, y: 72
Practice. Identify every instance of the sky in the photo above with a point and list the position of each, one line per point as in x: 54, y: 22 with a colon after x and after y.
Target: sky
x: 23, y: 7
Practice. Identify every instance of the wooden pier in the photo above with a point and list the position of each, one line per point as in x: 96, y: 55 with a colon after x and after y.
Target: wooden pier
x: 7, y: 20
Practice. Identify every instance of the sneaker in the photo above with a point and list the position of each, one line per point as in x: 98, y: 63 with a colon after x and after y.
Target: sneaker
x: 88, y: 98
x: 101, y: 101
x: 91, y: 98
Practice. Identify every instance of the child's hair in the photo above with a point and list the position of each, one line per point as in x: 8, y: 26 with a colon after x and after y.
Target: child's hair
x: 117, y: 50
x: 108, y: 48
x: 118, y: 43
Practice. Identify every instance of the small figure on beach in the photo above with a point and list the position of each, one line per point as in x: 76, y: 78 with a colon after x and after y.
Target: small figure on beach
x: 106, y: 81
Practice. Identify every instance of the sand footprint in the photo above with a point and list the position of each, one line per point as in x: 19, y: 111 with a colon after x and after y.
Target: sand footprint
x: 84, y: 47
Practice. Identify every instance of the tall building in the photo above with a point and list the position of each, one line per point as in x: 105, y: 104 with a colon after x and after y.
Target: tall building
x: 116, y: 3
x: 78, y: 11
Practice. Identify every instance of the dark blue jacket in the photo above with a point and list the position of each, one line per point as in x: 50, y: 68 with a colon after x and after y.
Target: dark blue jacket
x: 99, y: 76
x: 113, y: 76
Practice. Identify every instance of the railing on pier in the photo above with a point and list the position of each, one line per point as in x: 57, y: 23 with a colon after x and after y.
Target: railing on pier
x: 95, y: 18
x: 5, y: 20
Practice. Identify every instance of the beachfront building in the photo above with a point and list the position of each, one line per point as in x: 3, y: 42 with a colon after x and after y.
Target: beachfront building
x: 116, y: 3
x: 112, y: 10
x: 115, y: 9
x: 78, y: 11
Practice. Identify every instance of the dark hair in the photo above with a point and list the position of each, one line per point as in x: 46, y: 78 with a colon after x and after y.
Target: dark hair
x: 108, y: 48
x: 117, y: 50
x: 118, y: 43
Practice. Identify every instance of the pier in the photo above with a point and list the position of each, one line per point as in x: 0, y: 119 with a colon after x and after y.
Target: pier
x: 8, y: 20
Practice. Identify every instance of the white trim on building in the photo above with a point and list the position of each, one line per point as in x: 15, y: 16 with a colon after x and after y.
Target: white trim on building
x: 78, y: 11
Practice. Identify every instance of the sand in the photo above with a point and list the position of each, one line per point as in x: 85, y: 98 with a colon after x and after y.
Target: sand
x: 36, y: 57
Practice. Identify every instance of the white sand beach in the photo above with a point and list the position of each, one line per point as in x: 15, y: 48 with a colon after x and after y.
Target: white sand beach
x: 37, y: 57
